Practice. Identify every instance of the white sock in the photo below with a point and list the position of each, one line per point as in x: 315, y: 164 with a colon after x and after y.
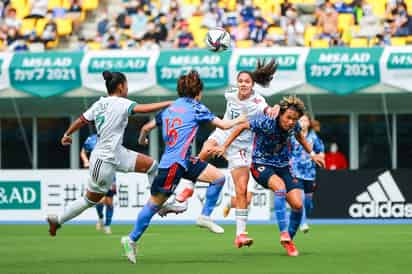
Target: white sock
x: 241, y: 219
x: 152, y: 172
x: 75, y: 209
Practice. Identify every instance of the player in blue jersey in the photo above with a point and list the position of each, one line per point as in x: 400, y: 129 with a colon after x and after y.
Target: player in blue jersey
x: 303, y: 167
x: 270, y: 162
x: 179, y: 124
x: 107, y: 200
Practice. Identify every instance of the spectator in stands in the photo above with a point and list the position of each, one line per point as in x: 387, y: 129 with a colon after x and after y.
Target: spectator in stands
x: 400, y: 17
x: 294, y: 29
x: 247, y: 12
x: 112, y: 43
x: 369, y: 23
x: 50, y: 30
x: 38, y: 9
x: 212, y: 19
x: 112, y: 32
x: 11, y: 21
x: 139, y: 21
x: 257, y: 31
x: 328, y: 22
x: 161, y: 31
x: 384, y: 39
x: 131, y: 7
x: 241, y: 31
x: 334, y: 159
x: 149, y: 42
x: 12, y: 35
x: 75, y: 13
x: 19, y: 45
x: 184, y: 37
x: 342, y: 7
x: 103, y: 25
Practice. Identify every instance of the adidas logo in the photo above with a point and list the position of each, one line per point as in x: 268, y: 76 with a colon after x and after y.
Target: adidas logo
x: 382, y: 199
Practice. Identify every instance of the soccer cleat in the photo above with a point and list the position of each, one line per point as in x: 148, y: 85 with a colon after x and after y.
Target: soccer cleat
x: 206, y: 222
x: 107, y: 230
x: 54, y: 225
x: 129, y: 249
x: 184, y: 195
x: 226, y: 211
x: 290, y: 248
x: 243, y: 240
x: 99, y: 224
x: 304, y: 228
x: 285, y: 237
x: 172, y: 207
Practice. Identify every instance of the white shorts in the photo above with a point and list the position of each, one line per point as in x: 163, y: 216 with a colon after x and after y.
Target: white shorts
x: 101, y: 173
x: 231, y: 185
x: 236, y: 156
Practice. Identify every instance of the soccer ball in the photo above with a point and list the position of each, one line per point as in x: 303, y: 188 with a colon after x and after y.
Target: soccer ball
x: 217, y: 39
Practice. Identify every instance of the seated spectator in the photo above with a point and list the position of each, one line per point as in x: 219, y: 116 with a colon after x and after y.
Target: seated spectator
x: 184, y: 37
x: 247, y: 12
x: 111, y: 33
x: 149, y: 42
x: 102, y: 25
x: 139, y: 21
x: 211, y: 19
x: 50, y: 31
x: 161, y: 31
x: 342, y: 7
x: 19, y: 45
x: 384, y: 39
x: 257, y: 31
x: 294, y: 29
x: 112, y: 43
x: 334, y: 159
x: 328, y: 22
x: 400, y: 16
x: 369, y: 24
x: 38, y: 9
x: 131, y: 7
x: 241, y: 31
x: 12, y: 35
x: 75, y: 13
x: 11, y: 20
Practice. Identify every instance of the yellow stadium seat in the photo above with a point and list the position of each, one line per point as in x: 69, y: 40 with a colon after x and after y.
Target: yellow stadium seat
x: 359, y: 43
x: 54, y: 4
x: 199, y: 37
x: 345, y: 20
x: 52, y: 44
x: 90, y: 4
x: 41, y: 23
x: 320, y: 43
x: 373, y: 42
x: 276, y: 30
x: 27, y: 26
x: 309, y: 35
x: 195, y: 22
x: 22, y: 8
x: 312, y: 2
x: 244, y: 44
x: 408, y: 39
x: 398, y: 41
x: 409, y: 5
x: 64, y: 26
x: 94, y: 45
x: 66, y: 4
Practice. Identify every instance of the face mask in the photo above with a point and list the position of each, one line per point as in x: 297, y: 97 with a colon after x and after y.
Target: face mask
x: 333, y: 148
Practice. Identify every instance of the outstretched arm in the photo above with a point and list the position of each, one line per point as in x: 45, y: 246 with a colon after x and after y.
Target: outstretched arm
x: 226, y: 124
x: 76, y: 125
x: 145, y: 108
x: 84, y: 158
x: 219, y: 151
x: 145, y: 130
x: 319, y: 159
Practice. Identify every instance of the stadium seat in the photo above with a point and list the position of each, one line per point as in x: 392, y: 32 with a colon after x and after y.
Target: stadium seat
x: 90, y: 4
x: 398, y: 41
x: 373, y: 42
x: 64, y: 26
x: 54, y: 4
x: 277, y: 31
x: 195, y: 22
x: 359, y: 43
x: 378, y: 7
x: 199, y: 37
x: 320, y: 43
x: 409, y: 6
x: 41, y: 23
x: 244, y: 44
x: 27, y: 26
x: 66, y: 4
x: 94, y: 45
x: 52, y: 44
x: 345, y: 21
x: 22, y: 8
x: 309, y: 35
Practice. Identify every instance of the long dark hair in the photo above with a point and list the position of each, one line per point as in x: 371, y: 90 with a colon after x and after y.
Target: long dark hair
x: 189, y: 85
x: 263, y: 73
x: 112, y: 80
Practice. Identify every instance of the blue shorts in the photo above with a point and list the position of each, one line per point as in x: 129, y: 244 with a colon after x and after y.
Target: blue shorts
x: 167, y: 179
x: 309, y: 186
x: 262, y: 174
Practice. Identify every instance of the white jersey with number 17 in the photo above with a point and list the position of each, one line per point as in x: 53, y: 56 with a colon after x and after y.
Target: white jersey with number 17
x: 110, y: 115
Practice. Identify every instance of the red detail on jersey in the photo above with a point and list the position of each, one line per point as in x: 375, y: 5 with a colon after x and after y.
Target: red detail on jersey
x: 257, y: 100
x: 171, y: 131
x: 84, y: 119
x: 255, y: 173
x: 170, y: 176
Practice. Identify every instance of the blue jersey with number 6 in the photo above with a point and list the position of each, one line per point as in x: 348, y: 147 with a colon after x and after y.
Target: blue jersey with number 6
x: 179, y: 123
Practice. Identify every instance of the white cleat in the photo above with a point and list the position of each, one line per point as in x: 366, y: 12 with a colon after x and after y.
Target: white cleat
x: 206, y: 222
x: 173, y: 207
x: 99, y: 224
x: 304, y: 228
x: 129, y: 249
x: 107, y: 230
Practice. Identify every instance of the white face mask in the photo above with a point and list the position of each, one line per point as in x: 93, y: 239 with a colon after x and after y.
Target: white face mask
x: 334, y: 148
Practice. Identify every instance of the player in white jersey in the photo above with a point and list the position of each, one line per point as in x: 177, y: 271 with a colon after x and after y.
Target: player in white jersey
x: 110, y: 116
x: 242, y: 99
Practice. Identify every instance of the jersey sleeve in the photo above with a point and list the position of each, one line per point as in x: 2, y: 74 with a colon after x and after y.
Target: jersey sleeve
x: 129, y: 106
x: 158, y: 119
x: 318, y: 146
x: 261, y: 124
x: 297, y: 129
x: 261, y: 104
x: 203, y: 114
x: 89, y: 115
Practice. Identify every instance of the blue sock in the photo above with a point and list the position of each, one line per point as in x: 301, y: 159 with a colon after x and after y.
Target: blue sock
x: 294, y: 221
x: 99, y: 209
x: 308, y: 203
x: 304, y: 208
x: 212, y: 195
x: 280, y: 209
x: 109, y: 215
x: 143, y: 220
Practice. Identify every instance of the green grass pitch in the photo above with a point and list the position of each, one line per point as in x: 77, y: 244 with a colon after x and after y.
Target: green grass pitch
x: 184, y: 249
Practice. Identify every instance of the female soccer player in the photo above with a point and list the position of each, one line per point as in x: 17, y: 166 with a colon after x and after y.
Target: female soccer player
x: 107, y: 200
x: 303, y: 168
x: 270, y: 162
x: 110, y: 115
x: 179, y: 124
x: 241, y: 99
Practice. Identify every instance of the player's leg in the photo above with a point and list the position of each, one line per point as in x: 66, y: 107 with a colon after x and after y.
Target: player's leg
x: 109, y: 212
x: 309, y: 188
x: 100, y: 216
x: 231, y: 203
x: 100, y: 179
x: 163, y: 186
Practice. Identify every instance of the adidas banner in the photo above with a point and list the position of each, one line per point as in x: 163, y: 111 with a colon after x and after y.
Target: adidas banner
x: 364, y: 194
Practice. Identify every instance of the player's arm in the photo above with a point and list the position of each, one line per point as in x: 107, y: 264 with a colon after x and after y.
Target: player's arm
x: 84, y: 158
x: 319, y: 159
x: 145, y: 108
x: 76, y: 125
x: 272, y: 112
x: 219, y: 151
x: 226, y: 124
x: 145, y: 130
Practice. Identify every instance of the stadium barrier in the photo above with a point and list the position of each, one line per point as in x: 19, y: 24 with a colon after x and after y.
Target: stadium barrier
x: 337, y: 70
x: 28, y: 196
